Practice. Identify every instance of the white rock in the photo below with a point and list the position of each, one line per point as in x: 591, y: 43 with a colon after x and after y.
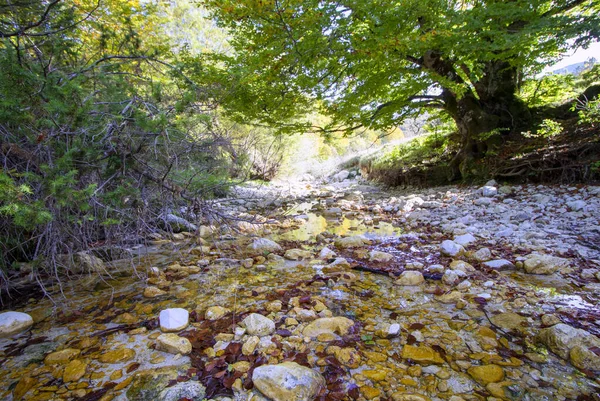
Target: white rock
x: 377, y: 256
x: 326, y: 253
x: 489, y: 191
x: 482, y: 255
x: 465, y: 239
x: 576, y: 206
x: 12, y: 323
x: 451, y: 248
x: 452, y: 277
x: 499, y: 264
x: 287, y: 381
x: 482, y: 201
x: 393, y: 330
x: 174, y: 319
x: 258, y: 325
x: 261, y: 245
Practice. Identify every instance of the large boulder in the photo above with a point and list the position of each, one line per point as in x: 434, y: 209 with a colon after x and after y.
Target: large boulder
x: 410, y: 278
x: 451, y: 248
x: 355, y: 241
x: 12, y: 323
x: 287, y: 381
x: 572, y: 344
x: 173, y: 344
x: 81, y: 262
x: 544, y: 264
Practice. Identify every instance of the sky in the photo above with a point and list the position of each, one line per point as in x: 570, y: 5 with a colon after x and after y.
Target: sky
x: 578, y: 56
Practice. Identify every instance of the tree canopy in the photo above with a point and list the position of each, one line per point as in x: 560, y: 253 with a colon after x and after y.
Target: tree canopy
x: 373, y: 63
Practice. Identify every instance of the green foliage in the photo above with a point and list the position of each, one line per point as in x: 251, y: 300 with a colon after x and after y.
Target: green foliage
x: 372, y: 64
x: 547, y: 129
x: 589, y: 112
x: 430, y: 148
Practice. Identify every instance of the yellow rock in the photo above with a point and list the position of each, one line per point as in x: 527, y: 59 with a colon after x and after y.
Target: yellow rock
x: 124, y: 384
x: 24, y: 385
x: 415, y: 370
x: 61, y: 357
x: 116, y: 375
x: 421, y: 354
x: 407, y: 381
x: 97, y: 375
x: 117, y: 356
x: 375, y: 375
x: 486, y: 374
x: 370, y: 392
x: 241, y: 366
x: 485, y: 331
x: 74, y: 371
x: 498, y: 389
x: 409, y: 397
x: 375, y: 356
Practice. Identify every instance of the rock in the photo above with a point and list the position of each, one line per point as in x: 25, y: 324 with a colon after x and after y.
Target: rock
x: 465, y: 239
x: 499, y: 264
x: 173, y: 344
x: 410, y: 277
x: 61, y: 357
x: 409, y: 397
x: 486, y: 374
x: 190, y: 390
x: 287, y: 381
x: 258, y: 325
x: 450, y: 298
x: 153, y: 292
x: 118, y: 355
x: 505, y: 189
x: 550, y: 320
x: 452, y: 277
x: 576, y: 206
x: 250, y: 345
x: 333, y: 212
x: 81, y: 262
x: 482, y: 255
x: 215, y: 312
x: 334, y: 325
x: 571, y: 343
x: 355, y: 241
x: 74, y: 371
x: 12, y: 323
x: 297, y: 254
x: 509, y: 321
x: 488, y: 191
x: 264, y: 245
x: 22, y: 387
x: 377, y: 256
x: 544, y: 264
x: 174, y: 319
x: 341, y: 176
x: 421, y: 354
x: 326, y: 253
x: 393, y: 330
x: 177, y: 224
x: 483, y: 201
x: 451, y: 248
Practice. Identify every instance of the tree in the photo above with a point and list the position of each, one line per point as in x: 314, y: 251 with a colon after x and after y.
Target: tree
x: 374, y: 63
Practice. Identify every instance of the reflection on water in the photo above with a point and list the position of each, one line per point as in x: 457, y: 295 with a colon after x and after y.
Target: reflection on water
x: 317, y: 224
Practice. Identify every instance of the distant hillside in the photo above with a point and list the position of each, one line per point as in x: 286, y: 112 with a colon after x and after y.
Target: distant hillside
x: 576, y: 68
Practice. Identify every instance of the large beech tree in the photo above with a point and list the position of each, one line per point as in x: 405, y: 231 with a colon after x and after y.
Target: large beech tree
x: 372, y: 63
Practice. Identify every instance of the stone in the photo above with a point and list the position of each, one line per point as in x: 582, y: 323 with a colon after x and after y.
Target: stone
x: 544, y: 264
x: 449, y: 298
x: 335, y: 325
x: 464, y: 239
x: 410, y: 277
x: 174, y: 223
x: 482, y: 255
x: 215, y: 312
x: 326, y: 253
x: 489, y: 191
x: 258, y: 325
x: 509, y: 321
x: 153, y: 292
x: 22, y: 387
x: 74, y: 371
x: 250, y: 345
x: 333, y: 212
x: 409, y: 397
x: 341, y: 176
x: 499, y: 264
x: 264, y: 245
x: 61, y: 357
x: 12, y: 323
x: 118, y: 355
x: 377, y: 256
x: 486, y: 374
x: 370, y: 393
x: 190, y: 390
x: 297, y: 254
x: 287, y: 381
x: 451, y: 248
x: 576, y: 206
x: 173, y: 319
x: 173, y: 344
x: 421, y: 354
x: 351, y: 242
x: 572, y: 344
x: 452, y: 277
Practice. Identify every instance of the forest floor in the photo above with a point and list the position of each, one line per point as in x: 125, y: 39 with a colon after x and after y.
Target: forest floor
x: 449, y: 293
